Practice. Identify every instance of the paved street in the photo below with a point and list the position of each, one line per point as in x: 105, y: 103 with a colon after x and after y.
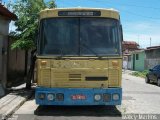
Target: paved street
x: 138, y: 98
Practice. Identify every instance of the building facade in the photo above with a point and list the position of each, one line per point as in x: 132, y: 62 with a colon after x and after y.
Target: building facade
x: 128, y: 47
x: 137, y: 60
x: 152, y: 57
x: 5, y: 17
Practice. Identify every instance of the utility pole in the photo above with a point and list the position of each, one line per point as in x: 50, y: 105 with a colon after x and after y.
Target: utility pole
x: 138, y: 39
x: 150, y: 41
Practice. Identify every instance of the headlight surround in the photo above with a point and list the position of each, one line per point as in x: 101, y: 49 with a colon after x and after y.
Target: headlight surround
x: 41, y: 96
x: 59, y: 96
x: 51, y: 96
x: 106, y: 97
x: 97, y: 97
x: 115, y: 96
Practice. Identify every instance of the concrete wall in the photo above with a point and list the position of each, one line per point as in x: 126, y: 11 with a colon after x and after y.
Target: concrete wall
x: 150, y: 63
x: 16, y: 59
x: 152, y: 58
x: 1, y: 42
x: 127, y: 62
x: 4, y: 28
x: 152, y: 54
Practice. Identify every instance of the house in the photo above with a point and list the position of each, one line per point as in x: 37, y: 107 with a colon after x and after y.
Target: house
x: 137, y: 60
x: 5, y: 17
x: 128, y: 47
x: 152, y: 56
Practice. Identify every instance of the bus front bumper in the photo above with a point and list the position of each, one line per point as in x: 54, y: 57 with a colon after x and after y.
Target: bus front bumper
x: 78, y: 96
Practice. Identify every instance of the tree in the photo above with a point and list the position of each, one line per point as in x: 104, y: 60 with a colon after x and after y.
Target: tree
x: 27, y: 23
x: 51, y: 4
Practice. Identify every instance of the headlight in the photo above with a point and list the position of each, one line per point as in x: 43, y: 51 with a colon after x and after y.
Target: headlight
x: 51, y: 96
x: 106, y: 97
x: 97, y: 97
x: 41, y: 96
x: 60, y: 96
x: 115, y: 96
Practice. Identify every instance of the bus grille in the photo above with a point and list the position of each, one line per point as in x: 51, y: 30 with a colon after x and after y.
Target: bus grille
x: 46, y: 77
x: 113, y: 77
x: 75, y: 77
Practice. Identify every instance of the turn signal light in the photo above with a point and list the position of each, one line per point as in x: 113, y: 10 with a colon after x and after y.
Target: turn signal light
x: 43, y: 63
x: 41, y: 96
x: 115, y: 63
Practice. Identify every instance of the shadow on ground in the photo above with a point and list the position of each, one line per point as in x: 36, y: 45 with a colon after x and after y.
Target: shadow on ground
x: 15, y: 78
x: 77, y: 111
x: 153, y: 84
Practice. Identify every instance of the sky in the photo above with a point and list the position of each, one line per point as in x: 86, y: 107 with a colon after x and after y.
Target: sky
x: 140, y: 18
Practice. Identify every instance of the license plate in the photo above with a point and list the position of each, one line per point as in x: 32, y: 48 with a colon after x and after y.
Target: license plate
x: 78, y: 97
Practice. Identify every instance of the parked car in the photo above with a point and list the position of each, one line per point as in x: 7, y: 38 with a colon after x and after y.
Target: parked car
x: 154, y: 75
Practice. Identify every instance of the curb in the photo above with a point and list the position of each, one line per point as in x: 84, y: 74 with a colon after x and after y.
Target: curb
x: 11, y: 102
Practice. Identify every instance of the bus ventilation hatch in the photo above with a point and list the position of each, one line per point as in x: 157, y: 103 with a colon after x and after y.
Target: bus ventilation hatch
x: 75, y: 77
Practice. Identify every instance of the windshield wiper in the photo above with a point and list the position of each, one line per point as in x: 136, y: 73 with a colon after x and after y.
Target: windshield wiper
x: 91, y: 50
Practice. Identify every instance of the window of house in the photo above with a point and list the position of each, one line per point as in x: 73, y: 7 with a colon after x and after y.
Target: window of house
x: 137, y: 56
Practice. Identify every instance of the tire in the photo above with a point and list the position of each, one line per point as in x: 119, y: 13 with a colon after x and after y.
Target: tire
x: 158, y: 82
x: 147, y: 80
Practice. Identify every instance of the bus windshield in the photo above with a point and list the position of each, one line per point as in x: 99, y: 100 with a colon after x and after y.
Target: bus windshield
x: 80, y: 37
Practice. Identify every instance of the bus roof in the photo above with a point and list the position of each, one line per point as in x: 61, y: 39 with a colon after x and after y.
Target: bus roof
x: 79, y: 12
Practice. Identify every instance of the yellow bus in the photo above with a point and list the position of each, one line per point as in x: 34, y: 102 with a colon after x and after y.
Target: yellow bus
x: 79, y: 57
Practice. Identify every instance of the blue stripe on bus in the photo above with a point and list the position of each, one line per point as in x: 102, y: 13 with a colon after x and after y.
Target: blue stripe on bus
x: 68, y: 92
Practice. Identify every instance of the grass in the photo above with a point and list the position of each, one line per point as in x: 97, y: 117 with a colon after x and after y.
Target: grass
x: 140, y: 74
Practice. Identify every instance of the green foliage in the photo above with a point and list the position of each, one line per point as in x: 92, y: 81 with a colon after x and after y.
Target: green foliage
x: 140, y: 74
x: 27, y: 23
x: 51, y: 4
x: 22, y: 44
